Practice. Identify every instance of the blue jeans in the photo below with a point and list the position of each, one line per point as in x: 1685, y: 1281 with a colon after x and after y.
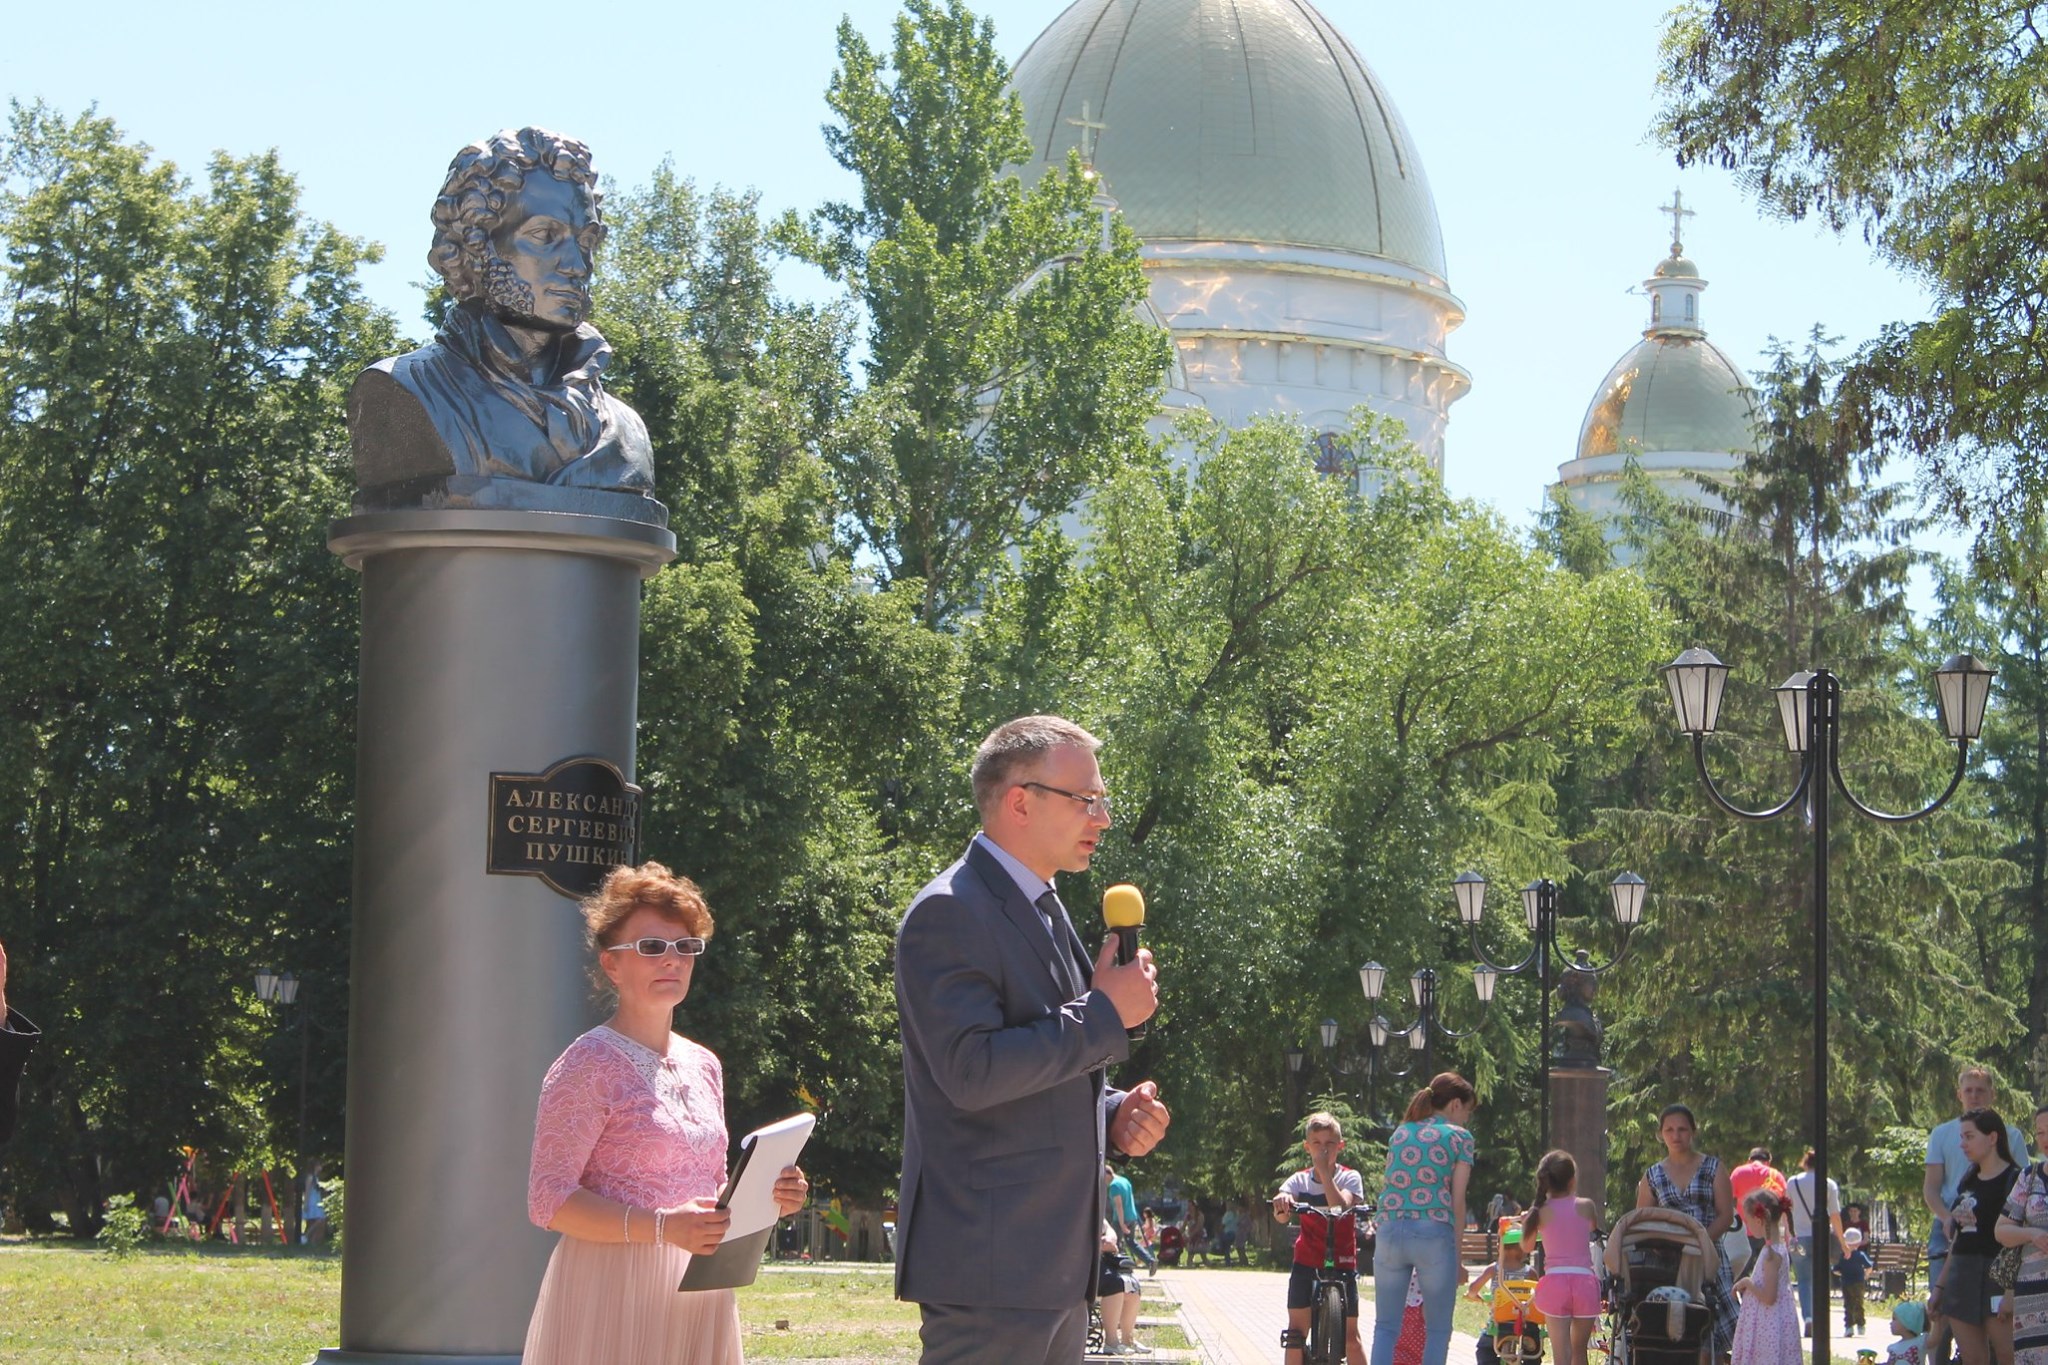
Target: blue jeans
x: 1430, y: 1250
x: 1802, y: 1273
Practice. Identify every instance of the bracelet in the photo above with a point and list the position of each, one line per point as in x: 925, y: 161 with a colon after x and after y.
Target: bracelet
x: 659, y: 1219
x: 626, y: 1223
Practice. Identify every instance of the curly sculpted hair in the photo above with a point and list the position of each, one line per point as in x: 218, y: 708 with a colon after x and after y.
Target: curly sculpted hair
x: 481, y: 178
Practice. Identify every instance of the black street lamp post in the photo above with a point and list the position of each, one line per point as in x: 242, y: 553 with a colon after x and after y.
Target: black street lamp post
x: 1810, y: 709
x: 1428, y: 1023
x: 283, y: 990
x: 1539, y: 908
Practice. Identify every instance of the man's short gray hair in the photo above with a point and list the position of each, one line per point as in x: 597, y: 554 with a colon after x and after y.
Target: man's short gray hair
x: 1015, y: 746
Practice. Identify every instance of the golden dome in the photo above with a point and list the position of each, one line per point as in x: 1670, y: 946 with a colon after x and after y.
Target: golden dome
x: 1672, y: 391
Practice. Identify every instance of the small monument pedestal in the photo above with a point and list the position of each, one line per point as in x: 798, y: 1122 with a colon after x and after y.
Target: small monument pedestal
x: 1578, y: 1124
x: 496, y: 645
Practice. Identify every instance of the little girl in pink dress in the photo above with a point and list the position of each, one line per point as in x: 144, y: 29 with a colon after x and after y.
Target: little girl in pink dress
x: 1769, y: 1330
x: 1568, y: 1295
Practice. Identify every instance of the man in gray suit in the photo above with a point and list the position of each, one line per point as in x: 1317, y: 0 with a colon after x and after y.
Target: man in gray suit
x: 1007, y: 1031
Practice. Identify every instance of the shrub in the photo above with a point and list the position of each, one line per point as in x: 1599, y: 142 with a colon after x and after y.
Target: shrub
x: 126, y: 1227
x: 331, y: 1201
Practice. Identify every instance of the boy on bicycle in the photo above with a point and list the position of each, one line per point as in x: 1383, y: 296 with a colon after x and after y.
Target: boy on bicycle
x: 1326, y: 1185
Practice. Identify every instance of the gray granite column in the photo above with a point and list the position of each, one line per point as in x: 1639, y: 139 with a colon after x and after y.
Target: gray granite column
x: 494, y: 641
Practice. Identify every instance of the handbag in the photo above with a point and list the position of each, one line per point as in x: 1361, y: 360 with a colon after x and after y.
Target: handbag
x: 2005, y: 1269
x: 2005, y: 1266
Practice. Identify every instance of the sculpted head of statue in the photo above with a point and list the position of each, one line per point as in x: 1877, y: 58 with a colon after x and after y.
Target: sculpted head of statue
x: 517, y: 225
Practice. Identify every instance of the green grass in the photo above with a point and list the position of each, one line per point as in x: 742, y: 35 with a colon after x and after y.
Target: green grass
x: 849, y: 1316
x: 62, y: 1303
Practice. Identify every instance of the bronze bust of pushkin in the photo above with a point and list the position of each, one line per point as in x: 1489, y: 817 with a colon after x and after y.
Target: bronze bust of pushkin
x: 507, y: 406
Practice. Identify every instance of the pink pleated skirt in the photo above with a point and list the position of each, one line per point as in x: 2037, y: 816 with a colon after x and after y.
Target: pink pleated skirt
x: 609, y: 1303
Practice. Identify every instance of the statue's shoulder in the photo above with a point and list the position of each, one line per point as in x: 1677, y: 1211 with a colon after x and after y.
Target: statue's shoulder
x: 391, y: 429
x: 412, y: 373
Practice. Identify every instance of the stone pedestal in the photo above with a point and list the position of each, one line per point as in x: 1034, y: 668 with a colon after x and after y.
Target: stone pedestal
x: 1578, y: 1124
x: 493, y: 642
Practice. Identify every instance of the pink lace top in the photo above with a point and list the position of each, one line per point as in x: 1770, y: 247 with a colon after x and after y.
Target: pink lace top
x: 628, y: 1123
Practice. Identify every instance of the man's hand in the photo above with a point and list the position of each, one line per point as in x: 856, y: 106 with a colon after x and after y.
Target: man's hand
x: 1133, y: 988
x: 1140, y: 1121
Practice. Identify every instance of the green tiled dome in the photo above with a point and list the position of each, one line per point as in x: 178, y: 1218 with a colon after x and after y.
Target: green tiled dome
x: 1670, y: 392
x: 1231, y: 120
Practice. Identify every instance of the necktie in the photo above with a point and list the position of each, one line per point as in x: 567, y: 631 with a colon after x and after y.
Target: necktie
x: 1065, y: 963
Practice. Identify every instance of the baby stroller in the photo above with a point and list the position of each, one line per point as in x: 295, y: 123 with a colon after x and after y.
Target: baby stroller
x: 1662, y: 1280
x: 1172, y: 1241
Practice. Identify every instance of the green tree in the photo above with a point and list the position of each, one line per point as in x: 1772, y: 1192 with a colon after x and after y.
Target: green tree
x: 1809, y: 569
x: 1920, y: 126
x: 1008, y: 368
x: 176, y: 663
x: 789, y: 716
x: 1312, y: 702
x: 2006, y: 626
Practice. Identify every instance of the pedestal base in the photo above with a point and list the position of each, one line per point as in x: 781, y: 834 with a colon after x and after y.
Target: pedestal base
x: 1578, y: 1124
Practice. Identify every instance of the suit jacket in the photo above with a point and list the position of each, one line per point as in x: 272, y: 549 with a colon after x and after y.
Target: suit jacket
x: 17, y: 1039
x: 1004, y: 1098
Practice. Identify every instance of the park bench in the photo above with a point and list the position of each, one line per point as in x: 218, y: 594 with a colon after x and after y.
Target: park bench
x: 1897, y: 1269
x: 1475, y: 1248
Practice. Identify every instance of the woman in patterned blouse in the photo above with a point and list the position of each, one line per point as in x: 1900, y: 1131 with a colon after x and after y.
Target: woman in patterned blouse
x: 629, y: 1150
x: 1422, y: 1207
x: 1697, y: 1184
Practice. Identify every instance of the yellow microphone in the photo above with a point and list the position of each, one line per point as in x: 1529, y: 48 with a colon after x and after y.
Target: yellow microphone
x: 1123, y: 910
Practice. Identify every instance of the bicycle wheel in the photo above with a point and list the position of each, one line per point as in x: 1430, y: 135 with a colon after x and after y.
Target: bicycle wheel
x: 1329, y: 1325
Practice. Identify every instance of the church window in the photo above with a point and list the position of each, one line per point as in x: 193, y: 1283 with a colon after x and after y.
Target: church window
x: 1333, y: 457
x: 1690, y: 304
x: 1656, y: 309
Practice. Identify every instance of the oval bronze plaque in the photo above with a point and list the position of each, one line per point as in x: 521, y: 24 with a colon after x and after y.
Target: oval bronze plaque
x: 567, y: 826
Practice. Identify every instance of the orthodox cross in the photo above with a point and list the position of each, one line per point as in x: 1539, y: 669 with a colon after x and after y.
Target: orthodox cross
x: 1090, y: 133
x: 1676, y: 208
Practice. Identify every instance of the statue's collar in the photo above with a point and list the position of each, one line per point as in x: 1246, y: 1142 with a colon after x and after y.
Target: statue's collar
x: 580, y: 357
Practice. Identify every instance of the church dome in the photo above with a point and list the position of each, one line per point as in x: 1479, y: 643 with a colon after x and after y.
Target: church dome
x: 1676, y: 267
x: 1249, y: 121
x: 1673, y: 391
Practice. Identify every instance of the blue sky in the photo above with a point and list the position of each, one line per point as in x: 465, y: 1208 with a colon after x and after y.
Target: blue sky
x: 1531, y: 122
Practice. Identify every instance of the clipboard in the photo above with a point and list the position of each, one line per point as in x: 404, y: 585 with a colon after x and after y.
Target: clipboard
x: 750, y: 1195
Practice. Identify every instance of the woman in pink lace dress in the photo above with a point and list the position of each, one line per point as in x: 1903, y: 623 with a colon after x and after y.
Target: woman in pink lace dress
x: 629, y: 1151
x: 1770, y: 1328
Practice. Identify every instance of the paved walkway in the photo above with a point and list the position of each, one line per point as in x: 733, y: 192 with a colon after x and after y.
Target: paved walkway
x: 1235, y: 1316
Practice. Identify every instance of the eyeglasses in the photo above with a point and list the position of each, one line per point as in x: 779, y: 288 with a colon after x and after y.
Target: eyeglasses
x: 658, y: 947
x: 1094, y: 805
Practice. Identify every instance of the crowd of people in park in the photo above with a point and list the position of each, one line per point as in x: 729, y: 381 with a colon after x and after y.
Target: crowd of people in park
x: 1987, y: 1253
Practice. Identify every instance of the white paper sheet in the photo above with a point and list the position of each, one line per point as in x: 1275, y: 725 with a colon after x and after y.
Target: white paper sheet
x: 765, y: 1152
